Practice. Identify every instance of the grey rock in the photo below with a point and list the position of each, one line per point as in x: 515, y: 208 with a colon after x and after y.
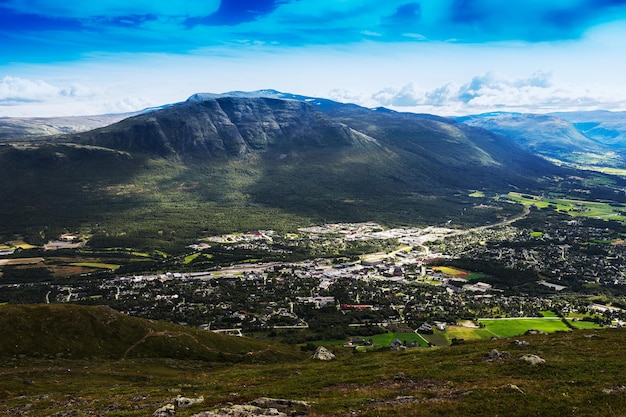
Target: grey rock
x: 532, y: 359
x: 278, y: 403
x: 245, y: 410
x: 323, y: 354
x: 495, y: 355
x: 181, y: 401
x: 166, y: 411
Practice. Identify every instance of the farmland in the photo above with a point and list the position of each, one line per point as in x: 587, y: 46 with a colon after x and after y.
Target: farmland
x: 572, y: 207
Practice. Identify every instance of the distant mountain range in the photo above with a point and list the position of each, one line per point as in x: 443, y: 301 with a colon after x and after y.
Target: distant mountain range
x: 597, y: 137
x: 268, y: 159
x: 12, y: 128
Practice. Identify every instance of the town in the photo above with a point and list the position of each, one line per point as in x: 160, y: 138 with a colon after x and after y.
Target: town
x: 420, y: 279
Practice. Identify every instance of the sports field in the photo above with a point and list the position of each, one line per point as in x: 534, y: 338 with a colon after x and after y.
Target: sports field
x: 455, y: 272
x: 517, y: 326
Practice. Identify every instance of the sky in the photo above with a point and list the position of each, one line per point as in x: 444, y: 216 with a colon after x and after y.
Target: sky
x: 445, y: 57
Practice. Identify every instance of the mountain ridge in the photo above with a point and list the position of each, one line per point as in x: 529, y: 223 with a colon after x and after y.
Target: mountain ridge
x: 224, y: 163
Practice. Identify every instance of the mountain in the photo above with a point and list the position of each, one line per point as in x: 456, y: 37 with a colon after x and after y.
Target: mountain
x: 595, y: 138
x: 12, y: 128
x: 240, y: 126
x: 543, y: 134
x: 226, y: 127
x: 245, y: 161
x: 605, y: 127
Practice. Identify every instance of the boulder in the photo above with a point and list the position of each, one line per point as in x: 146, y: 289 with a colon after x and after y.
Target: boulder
x: 323, y: 354
x: 181, y: 401
x: 532, y: 359
x: 278, y: 403
x: 495, y: 354
x: 167, y: 410
x: 245, y: 410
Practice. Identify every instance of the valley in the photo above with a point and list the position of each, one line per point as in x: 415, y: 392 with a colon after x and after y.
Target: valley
x: 226, y: 238
x: 363, y: 279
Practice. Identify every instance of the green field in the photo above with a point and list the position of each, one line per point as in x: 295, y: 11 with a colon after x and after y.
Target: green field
x: 468, y: 333
x: 516, y: 327
x: 189, y: 259
x: 579, y: 208
x: 385, y: 339
x: 448, y: 270
x: 579, y: 324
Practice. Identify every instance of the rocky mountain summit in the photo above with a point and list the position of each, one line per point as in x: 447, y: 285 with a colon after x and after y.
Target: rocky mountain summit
x: 227, y: 126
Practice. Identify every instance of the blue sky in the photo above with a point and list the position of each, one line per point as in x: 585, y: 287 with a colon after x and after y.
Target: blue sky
x: 444, y: 57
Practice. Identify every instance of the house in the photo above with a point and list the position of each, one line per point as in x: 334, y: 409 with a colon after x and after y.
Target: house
x: 359, y: 307
x: 425, y: 328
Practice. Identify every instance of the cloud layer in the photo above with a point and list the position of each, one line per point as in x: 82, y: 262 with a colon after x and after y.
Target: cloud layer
x: 439, y: 56
x: 490, y: 92
x: 82, y: 27
x: 26, y: 97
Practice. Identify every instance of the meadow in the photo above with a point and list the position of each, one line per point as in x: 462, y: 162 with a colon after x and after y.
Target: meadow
x: 573, y: 207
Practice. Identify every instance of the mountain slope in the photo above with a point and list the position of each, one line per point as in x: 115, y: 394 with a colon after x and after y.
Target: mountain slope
x: 543, y: 134
x: 12, y: 128
x: 582, y: 375
x: 225, y: 127
x: 238, y: 163
x: 78, y: 332
x: 587, y: 138
x: 604, y: 127
x: 243, y: 126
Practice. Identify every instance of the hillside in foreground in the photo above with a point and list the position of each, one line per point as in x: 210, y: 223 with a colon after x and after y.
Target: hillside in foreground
x: 582, y: 375
x: 81, y: 332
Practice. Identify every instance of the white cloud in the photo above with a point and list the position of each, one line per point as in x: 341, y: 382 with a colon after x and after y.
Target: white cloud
x: 26, y: 97
x: 16, y: 89
x: 489, y: 92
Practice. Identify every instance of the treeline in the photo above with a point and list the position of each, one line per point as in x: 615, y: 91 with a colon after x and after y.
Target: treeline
x: 500, y: 276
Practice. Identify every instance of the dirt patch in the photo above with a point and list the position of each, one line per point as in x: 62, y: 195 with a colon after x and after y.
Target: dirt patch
x: 21, y: 261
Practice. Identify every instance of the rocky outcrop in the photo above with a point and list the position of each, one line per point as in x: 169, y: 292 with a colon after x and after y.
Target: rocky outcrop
x: 167, y: 410
x: 264, y: 406
x: 181, y: 401
x: 495, y: 355
x: 532, y: 360
x: 323, y: 354
x: 245, y: 410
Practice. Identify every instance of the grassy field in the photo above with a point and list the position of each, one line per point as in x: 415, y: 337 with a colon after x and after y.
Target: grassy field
x: 579, y: 208
x: 467, y: 333
x: 450, y: 271
x: 190, y: 258
x: 21, y: 244
x: 579, y: 324
x: 385, y: 339
x: 514, y: 327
